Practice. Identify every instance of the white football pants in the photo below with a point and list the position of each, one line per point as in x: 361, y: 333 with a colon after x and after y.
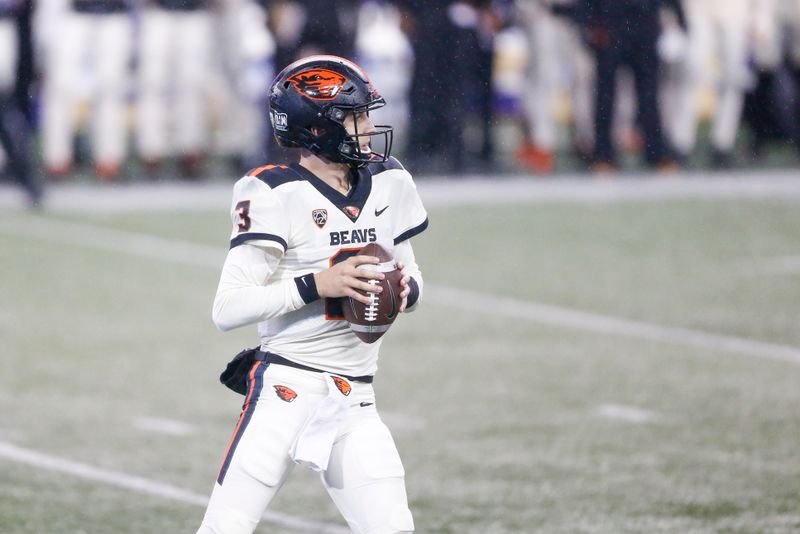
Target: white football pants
x: 365, y: 477
x: 94, y: 49
x: 8, y: 63
x: 717, y: 30
x: 8, y: 55
x: 559, y: 63
x: 776, y: 23
x: 791, y: 16
x: 768, y: 35
x: 242, y: 73
x: 175, y: 62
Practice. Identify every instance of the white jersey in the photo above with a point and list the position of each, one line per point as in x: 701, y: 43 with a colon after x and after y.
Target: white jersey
x: 314, y: 226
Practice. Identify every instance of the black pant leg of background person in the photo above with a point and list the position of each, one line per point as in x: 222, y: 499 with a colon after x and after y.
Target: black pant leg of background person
x: 15, y: 137
x: 432, y: 124
x: 757, y: 111
x: 25, y: 61
x: 485, y: 67
x: 644, y: 62
x: 794, y: 119
x: 607, y: 60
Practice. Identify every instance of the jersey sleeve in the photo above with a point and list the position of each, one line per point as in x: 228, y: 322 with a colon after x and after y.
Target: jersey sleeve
x: 412, y: 218
x: 258, y: 216
x: 246, y: 294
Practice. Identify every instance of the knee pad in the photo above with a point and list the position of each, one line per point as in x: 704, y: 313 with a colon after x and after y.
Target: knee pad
x: 399, y: 521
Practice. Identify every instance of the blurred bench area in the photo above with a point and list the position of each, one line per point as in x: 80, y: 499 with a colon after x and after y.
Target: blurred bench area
x: 133, y: 90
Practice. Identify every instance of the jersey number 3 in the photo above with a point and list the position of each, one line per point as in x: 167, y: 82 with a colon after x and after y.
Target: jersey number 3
x: 243, y: 209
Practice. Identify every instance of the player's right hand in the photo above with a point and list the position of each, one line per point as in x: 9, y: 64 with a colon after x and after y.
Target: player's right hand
x: 343, y: 279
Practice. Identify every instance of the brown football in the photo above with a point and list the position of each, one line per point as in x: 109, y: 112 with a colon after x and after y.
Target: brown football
x: 370, y: 322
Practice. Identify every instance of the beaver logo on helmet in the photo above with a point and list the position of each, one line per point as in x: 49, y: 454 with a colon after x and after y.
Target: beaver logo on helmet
x: 318, y: 95
x: 318, y: 84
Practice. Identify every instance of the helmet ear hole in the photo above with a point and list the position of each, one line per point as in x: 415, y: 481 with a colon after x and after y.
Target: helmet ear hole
x: 285, y: 143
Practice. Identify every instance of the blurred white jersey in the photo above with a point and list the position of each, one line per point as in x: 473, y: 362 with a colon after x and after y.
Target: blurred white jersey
x: 87, y: 50
x: 720, y: 9
x: 315, y: 227
x: 8, y: 54
x: 175, y: 50
x: 718, y: 44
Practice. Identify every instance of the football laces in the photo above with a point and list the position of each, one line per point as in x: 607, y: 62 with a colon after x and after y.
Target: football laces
x: 371, y: 311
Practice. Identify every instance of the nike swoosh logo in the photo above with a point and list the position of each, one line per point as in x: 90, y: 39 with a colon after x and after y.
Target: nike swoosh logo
x: 365, y: 404
x: 393, y: 299
x: 379, y: 212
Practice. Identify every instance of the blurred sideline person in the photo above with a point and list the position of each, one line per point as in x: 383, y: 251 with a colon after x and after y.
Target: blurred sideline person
x: 558, y: 61
x: 452, y: 43
x: 716, y: 29
x: 305, y: 27
x: 296, y: 230
x: 626, y: 33
x: 301, y: 28
x: 243, y: 67
x: 383, y: 50
x: 175, y: 57
x: 772, y: 107
x: 15, y: 131
x: 761, y: 110
x: 789, y: 15
x: 437, y: 95
x: 93, y: 34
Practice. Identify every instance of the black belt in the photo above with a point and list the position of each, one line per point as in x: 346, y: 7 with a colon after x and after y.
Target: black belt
x: 280, y: 360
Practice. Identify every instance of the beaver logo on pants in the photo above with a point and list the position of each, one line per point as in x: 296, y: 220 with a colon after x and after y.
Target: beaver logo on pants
x: 285, y: 394
x: 342, y: 384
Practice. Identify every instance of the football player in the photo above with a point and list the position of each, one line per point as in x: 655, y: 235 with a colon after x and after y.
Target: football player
x: 556, y: 59
x: 100, y: 33
x: 716, y: 29
x: 293, y: 257
x: 175, y: 50
x: 15, y: 131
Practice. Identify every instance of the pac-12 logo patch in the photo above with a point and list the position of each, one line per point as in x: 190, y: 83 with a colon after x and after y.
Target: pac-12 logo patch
x: 320, y: 217
x: 285, y: 394
x: 318, y: 84
x: 279, y: 121
x: 342, y: 384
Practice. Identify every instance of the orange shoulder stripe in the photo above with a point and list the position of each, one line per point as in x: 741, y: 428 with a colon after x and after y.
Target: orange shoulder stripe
x: 259, y: 170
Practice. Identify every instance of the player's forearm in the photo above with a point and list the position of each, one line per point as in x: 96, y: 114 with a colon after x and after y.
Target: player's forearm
x: 246, y: 294
x: 404, y: 253
x: 240, y: 306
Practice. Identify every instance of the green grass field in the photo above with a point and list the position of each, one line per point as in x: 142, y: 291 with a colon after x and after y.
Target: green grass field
x: 506, y: 423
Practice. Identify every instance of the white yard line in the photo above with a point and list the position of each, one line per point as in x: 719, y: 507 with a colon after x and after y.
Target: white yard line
x: 146, y: 486
x: 781, y: 266
x: 400, y: 421
x: 606, y: 324
x: 159, y: 425
x: 625, y: 413
x: 112, y: 240
x: 174, y: 250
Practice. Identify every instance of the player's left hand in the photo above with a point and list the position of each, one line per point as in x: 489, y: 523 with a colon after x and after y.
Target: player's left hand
x: 404, y: 284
